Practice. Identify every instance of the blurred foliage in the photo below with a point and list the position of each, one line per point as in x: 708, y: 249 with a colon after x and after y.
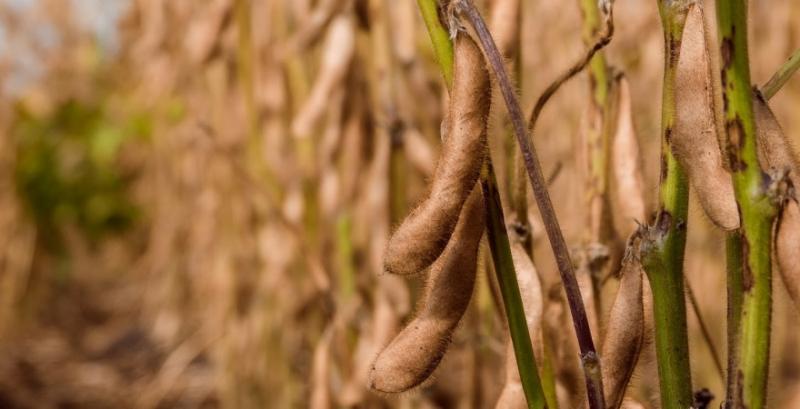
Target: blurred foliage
x: 68, y: 170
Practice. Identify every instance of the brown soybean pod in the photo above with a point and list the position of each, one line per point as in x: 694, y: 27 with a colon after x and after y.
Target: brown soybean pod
x: 625, y: 334
x: 694, y: 136
x: 787, y: 249
x: 423, y: 235
x: 417, y: 350
x: 530, y: 289
x: 775, y: 152
x: 626, y: 163
x: 774, y: 149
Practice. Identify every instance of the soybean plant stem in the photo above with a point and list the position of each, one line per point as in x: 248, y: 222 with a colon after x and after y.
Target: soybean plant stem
x: 498, y: 236
x: 589, y: 357
x: 757, y: 209
x: 662, y: 251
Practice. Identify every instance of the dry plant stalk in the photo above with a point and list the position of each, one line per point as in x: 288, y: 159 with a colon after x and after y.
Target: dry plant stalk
x: 423, y: 235
x: 530, y: 289
x: 694, y: 136
x: 416, y: 352
x: 625, y: 333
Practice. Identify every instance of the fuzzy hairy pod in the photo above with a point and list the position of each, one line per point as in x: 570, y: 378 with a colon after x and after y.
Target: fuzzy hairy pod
x: 694, y: 136
x: 626, y: 163
x: 625, y: 334
x: 530, y: 289
x: 417, y: 350
x: 423, y: 235
x: 776, y: 153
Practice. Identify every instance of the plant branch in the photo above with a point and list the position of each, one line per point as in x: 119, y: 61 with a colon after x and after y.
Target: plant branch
x: 602, y: 40
x: 781, y: 76
x: 589, y: 357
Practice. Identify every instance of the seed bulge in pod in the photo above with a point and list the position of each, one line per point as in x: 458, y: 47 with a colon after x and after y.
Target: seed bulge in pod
x: 417, y: 350
x: 423, y: 235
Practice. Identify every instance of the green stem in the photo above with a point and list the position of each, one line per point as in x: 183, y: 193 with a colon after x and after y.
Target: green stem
x: 442, y: 47
x: 781, y: 76
x: 663, y: 250
x: 496, y: 227
x: 512, y: 300
x: 757, y: 208
x: 549, y: 381
x: 669, y: 314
